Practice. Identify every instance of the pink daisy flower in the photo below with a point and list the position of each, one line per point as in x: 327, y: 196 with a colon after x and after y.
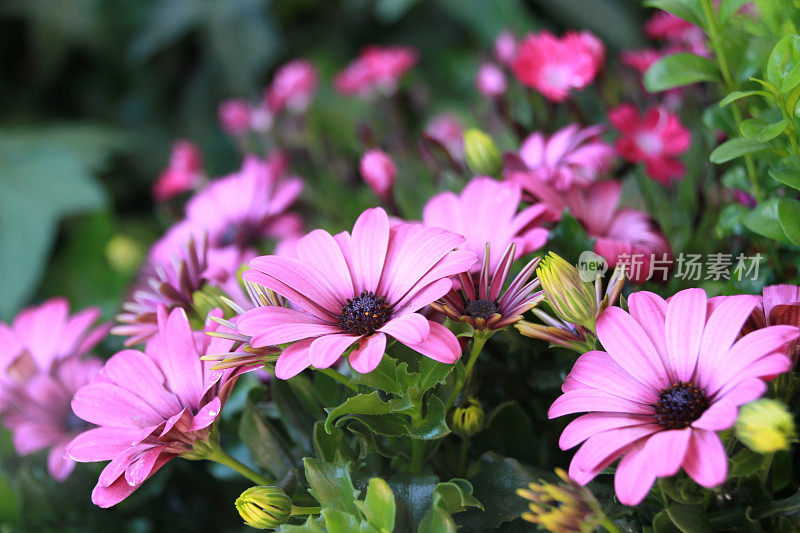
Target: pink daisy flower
x: 487, y: 211
x: 672, y: 375
x: 150, y: 407
x: 183, y: 173
x: 292, y: 87
x: 554, y: 66
x: 357, y: 289
x: 571, y: 156
x: 657, y: 139
x: 377, y: 69
x: 248, y: 205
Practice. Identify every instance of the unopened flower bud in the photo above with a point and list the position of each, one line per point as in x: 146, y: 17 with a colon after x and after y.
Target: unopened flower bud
x: 481, y: 153
x: 124, y: 254
x: 571, y: 298
x: 264, y: 507
x: 561, y: 507
x: 378, y: 171
x: 766, y: 426
x: 490, y: 80
x: 505, y: 47
x: 206, y: 299
x: 234, y: 117
x: 467, y: 420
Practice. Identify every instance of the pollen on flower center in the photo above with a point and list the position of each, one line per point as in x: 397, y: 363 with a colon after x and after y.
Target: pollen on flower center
x: 365, y: 313
x: 680, y: 404
x: 481, y: 308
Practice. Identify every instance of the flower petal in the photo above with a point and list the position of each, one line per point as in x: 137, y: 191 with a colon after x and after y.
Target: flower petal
x: 602, y: 449
x: 270, y: 326
x: 106, y: 404
x: 440, y: 345
x: 102, y: 444
x: 319, y: 250
x: 293, y: 360
x: 325, y: 350
x: 705, y: 461
x: 721, y: 331
x: 366, y: 357
x: 593, y: 400
x: 686, y: 319
x: 411, y: 328
x: 369, y: 245
x: 634, y: 476
x: 180, y: 362
x: 590, y: 424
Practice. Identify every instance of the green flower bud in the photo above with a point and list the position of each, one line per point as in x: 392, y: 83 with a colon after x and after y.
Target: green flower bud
x: 264, y: 507
x: 481, y: 153
x: 571, y: 298
x: 206, y: 299
x: 124, y: 254
x: 467, y: 420
x: 766, y: 426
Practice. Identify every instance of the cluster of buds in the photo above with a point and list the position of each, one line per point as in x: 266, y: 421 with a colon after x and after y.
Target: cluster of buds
x: 575, y: 302
x: 561, y: 507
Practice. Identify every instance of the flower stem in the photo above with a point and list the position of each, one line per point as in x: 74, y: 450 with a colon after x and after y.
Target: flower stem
x: 218, y: 455
x: 610, y: 526
x: 478, y: 340
x: 417, y: 455
x: 299, y: 511
x: 333, y: 374
x: 462, y: 458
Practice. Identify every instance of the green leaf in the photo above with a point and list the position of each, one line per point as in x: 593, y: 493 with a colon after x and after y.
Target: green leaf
x: 688, y: 518
x: 413, y: 494
x: 263, y: 441
x: 313, y: 524
x: 330, y: 446
x: 45, y: 175
x: 509, y: 432
x: 746, y: 462
x: 733, y: 148
x: 738, y: 95
x: 9, y: 503
x: 727, y: 8
x: 662, y: 523
x: 362, y: 404
x: 448, y: 498
x: 337, y: 521
x: 761, y: 131
x: 330, y: 485
x: 787, y: 171
x: 677, y: 70
x: 433, y: 425
x: 378, y: 506
x: 789, y: 217
x: 432, y: 373
x: 389, y: 376
x: 298, y: 409
x: 688, y: 10
x: 783, y: 65
x: 763, y: 219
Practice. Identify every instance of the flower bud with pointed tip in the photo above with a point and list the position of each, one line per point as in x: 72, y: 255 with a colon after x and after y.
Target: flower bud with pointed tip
x: 467, y: 420
x: 572, y: 299
x: 264, y: 507
x: 481, y: 153
x: 561, y: 507
x: 378, y: 171
x: 766, y: 426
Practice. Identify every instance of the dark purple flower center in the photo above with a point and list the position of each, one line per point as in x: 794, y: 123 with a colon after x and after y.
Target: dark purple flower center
x: 365, y: 313
x: 680, y: 405
x: 481, y: 308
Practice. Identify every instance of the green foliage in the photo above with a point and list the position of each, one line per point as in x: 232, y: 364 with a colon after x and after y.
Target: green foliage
x: 677, y: 70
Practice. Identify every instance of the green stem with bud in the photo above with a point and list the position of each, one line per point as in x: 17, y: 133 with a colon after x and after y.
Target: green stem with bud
x: 479, y: 338
x: 300, y: 511
x: 214, y: 452
x: 333, y: 374
x: 610, y: 526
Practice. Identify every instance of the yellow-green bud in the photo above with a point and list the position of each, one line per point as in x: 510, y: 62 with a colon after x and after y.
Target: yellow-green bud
x: 467, y: 420
x: 206, y: 299
x: 264, y: 507
x: 571, y: 298
x: 561, y: 507
x: 481, y: 153
x: 124, y: 254
x: 766, y: 426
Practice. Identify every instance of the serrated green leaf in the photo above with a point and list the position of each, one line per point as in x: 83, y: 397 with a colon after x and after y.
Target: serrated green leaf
x: 433, y: 424
x: 677, y: 70
x: 733, y: 148
x: 361, y: 404
x: 337, y: 521
x: 432, y: 373
x: 331, y: 486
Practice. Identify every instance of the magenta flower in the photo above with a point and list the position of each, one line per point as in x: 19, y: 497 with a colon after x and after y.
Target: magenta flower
x: 554, y: 66
x: 247, y: 206
x: 378, y: 69
x: 378, y: 171
x: 183, y: 173
x: 571, y: 156
x: 672, y: 375
x: 234, y: 117
x: 681, y: 35
x: 491, y: 80
x: 505, y: 47
x: 150, y: 407
x: 357, y: 288
x: 657, y: 139
x: 486, y: 211
x: 292, y: 87
x: 641, y: 60
x: 780, y: 305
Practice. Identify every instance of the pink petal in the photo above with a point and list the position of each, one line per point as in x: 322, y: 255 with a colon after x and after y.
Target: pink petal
x: 136, y: 372
x: 634, y: 476
x: 686, y: 318
x: 720, y: 415
x: 629, y: 345
x: 327, y: 349
x: 293, y: 360
x: 269, y: 326
x: 706, y: 462
x: 411, y: 328
x: 320, y: 250
x: 416, y: 301
x: 721, y: 331
x: 666, y: 451
x: 59, y: 466
x: 602, y: 449
x: 593, y: 400
x: 369, y: 246
x: 112, y: 494
x: 181, y: 361
x: 587, y: 425
x: 598, y: 371
x: 742, y: 391
x: 453, y: 263
x: 780, y: 295
x: 31, y: 437
x: 650, y: 311
x: 106, y: 404
x: 369, y: 353
x: 139, y: 469
x: 206, y: 415
x: 440, y: 345
x: 102, y: 444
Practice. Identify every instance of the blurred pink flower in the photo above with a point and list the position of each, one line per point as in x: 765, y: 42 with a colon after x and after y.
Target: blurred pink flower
x: 505, y: 47
x: 641, y: 60
x: 681, y: 35
x: 672, y: 376
x: 378, y: 171
x: 356, y: 288
x: 247, y: 206
x: 555, y: 66
x: 488, y: 211
x: 184, y: 171
x: 151, y: 407
x: 292, y: 87
x: 234, y: 117
x: 377, y: 69
x: 571, y: 156
x: 491, y: 80
x: 448, y: 132
x: 656, y: 140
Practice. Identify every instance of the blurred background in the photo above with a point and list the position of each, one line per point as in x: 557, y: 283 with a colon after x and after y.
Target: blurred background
x: 94, y: 92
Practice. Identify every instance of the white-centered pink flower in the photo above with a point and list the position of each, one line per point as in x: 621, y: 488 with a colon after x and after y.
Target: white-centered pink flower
x: 555, y: 66
x: 672, y: 375
x: 571, y: 156
x: 356, y: 289
x: 150, y: 406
